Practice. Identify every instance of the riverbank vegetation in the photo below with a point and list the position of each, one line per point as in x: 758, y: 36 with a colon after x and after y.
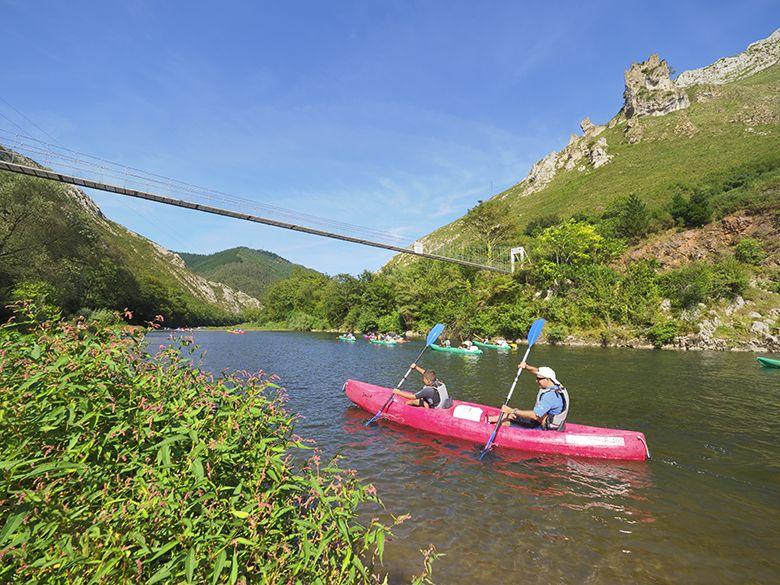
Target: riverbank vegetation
x: 581, y: 277
x: 123, y: 464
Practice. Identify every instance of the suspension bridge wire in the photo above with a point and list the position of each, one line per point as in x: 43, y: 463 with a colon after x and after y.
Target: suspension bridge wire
x: 76, y: 161
x: 91, y: 184
x: 54, y: 140
x: 99, y: 170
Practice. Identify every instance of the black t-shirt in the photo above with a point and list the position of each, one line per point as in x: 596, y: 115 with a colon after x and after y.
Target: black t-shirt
x: 430, y: 395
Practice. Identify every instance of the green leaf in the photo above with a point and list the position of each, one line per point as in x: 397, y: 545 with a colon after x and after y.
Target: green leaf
x: 218, y: 566
x: 189, y: 564
x: 234, y: 569
x: 239, y: 513
x: 197, y: 468
x: 159, y: 576
x: 11, y: 524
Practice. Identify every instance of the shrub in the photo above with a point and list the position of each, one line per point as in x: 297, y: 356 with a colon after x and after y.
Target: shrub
x: 749, y: 251
x: 557, y: 333
x: 728, y: 279
x: 662, y: 333
x: 538, y: 225
x: 301, y: 321
x: 633, y: 218
x: 696, y: 211
x: 687, y: 286
x: 118, y: 466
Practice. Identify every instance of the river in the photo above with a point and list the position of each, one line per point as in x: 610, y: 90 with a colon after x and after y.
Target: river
x: 706, y: 509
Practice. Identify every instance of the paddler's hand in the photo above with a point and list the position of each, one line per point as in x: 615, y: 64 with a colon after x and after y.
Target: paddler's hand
x: 522, y: 365
x: 506, y: 410
x: 413, y: 366
x: 396, y: 391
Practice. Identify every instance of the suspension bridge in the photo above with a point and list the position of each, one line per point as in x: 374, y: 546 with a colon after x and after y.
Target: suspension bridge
x: 23, y: 154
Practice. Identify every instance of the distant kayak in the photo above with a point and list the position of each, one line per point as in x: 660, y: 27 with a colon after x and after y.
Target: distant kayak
x: 468, y: 421
x: 236, y: 331
x: 342, y: 338
x: 381, y: 342
x: 768, y: 362
x: 493, y: 346
x: 476, y: 351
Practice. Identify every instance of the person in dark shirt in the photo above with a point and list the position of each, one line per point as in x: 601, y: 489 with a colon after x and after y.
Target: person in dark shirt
x: 433, y: 395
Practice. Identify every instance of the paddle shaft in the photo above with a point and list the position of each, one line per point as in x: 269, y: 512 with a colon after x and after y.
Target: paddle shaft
x: 392, y: 395
x: 501, y: 414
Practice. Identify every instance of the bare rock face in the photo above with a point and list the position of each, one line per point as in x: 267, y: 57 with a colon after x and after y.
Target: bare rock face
x: 649, y: 90
x: 598, y: 153
x: 541, y: 174
x: 758, y: 56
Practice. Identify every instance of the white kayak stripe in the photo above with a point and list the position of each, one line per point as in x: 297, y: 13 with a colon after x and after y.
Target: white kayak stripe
x: 594, y: 441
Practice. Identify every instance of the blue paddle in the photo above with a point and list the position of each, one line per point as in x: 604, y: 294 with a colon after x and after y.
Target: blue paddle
x: 433, y: 335
x: 533, y: 335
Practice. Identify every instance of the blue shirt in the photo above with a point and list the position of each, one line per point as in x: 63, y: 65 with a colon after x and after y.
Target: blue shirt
x: 550, y: 402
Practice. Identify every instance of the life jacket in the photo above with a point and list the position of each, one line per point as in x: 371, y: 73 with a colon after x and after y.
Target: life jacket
x: 555, y: 422
x: 444, y: 397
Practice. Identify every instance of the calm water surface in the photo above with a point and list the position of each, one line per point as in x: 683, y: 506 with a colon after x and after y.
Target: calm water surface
x: 705, y: 510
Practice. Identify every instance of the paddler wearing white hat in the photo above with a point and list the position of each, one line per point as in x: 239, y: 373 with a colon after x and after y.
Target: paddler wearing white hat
x: 552, y: 403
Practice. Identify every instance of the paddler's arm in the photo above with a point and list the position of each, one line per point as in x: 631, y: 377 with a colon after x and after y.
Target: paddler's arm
x: 404, y: 394
x: 530, y: 414
x: 417, y: 369
x: 533, y: 369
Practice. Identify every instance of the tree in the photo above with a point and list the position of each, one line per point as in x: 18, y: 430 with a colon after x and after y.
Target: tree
x: 485, y: 224
x: 633, y: 218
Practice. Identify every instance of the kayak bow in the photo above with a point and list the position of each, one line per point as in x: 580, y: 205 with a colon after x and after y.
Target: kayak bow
x: 768, y: 362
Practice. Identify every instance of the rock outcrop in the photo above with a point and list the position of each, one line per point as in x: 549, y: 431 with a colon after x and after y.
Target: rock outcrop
x: 758, y: 56
x: 650, y: 91
x: 580, y: 150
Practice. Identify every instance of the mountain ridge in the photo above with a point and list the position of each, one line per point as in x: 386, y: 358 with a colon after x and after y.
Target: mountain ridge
x: 242, y: 268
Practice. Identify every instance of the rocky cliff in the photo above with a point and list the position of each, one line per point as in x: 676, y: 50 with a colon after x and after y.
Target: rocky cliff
x: 757, y: 57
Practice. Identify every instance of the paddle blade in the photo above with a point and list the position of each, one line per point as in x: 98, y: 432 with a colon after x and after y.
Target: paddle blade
x: 535, y: 331
x: 434, y: 333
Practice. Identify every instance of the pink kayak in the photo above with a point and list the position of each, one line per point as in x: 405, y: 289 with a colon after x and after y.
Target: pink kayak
x: 468, y: 421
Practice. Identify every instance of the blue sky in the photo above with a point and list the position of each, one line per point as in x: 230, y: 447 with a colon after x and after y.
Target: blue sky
x: 393, y: 115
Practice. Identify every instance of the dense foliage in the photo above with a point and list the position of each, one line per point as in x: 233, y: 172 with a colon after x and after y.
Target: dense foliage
x: 576, y: 281
x: 77, y: 260
x: 119, y: 466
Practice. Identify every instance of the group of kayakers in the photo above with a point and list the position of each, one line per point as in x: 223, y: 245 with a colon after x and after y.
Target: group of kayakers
x: 388, y: 337
x: 549, y: 411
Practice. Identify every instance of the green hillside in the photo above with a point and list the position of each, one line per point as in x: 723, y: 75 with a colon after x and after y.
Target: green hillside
x: 727, y: 142
x: 244, y: 269
x: 56, y: 245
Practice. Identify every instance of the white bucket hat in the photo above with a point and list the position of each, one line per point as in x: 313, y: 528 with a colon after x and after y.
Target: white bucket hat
x: 545, y: 372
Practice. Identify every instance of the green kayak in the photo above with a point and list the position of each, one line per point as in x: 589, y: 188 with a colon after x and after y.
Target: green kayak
x: 435, y: 347
x: 380, y: 342
x: 492, y: 346
x: 342, y: 338
x: 768, y: 362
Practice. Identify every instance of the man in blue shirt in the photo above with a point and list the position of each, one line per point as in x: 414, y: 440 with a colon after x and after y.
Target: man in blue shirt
x: 551, y: 403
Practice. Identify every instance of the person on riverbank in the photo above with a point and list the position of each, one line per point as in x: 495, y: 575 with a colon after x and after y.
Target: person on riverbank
x: 552, y: 403
x: 433, y: 395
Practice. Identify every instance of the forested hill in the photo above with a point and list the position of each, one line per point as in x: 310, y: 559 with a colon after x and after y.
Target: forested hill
x: 56, y: 246
x: 244, y: 269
